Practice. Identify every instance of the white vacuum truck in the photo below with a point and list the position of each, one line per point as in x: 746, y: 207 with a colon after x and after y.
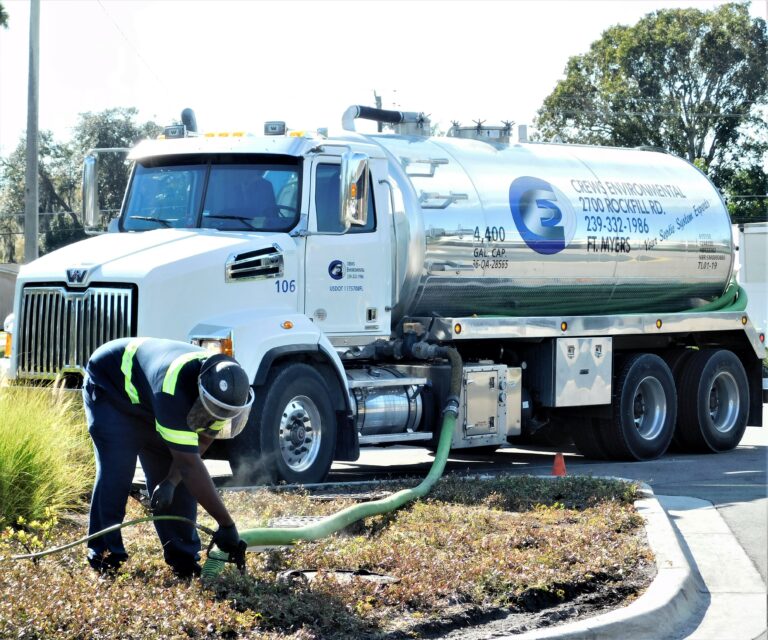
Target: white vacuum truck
x: 586, y: 288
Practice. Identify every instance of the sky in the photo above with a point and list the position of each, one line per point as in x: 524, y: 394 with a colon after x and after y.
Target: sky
x: 240, y: 63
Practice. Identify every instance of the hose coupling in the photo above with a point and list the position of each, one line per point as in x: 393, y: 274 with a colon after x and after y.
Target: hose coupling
x: 452, y: 406
x: 425, y: 351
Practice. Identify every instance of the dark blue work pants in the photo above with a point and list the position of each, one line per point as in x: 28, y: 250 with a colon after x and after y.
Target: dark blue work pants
x: 120, y: 435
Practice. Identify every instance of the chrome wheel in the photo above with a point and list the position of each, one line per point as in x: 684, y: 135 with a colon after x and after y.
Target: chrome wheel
x: 300, y: 433
x: 724, y: 402
x: 649, y: 408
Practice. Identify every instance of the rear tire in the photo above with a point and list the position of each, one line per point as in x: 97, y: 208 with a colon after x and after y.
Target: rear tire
x: 676, y: 359
x: 644, y: 410
x: 714, y: 402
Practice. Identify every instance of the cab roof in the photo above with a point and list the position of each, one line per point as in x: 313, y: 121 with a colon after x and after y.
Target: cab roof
x: 279, y: 145
x: 290, y: 145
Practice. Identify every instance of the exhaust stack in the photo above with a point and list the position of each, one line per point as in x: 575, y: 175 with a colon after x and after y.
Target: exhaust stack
x: 188, y: 120
x: 406, y: 122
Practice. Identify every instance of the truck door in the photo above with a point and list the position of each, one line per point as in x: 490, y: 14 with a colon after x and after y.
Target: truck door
x: 348, y: 274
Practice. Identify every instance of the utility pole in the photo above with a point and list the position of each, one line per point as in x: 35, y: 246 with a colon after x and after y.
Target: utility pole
x: 31, y: 199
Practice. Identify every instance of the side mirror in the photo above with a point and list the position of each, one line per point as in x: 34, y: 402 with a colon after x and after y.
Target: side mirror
x: 354, y: 189
x: 91, y: 211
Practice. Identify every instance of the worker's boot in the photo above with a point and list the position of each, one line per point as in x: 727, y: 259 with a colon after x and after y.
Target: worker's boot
x: 106, y: 563
x: 186, y: 570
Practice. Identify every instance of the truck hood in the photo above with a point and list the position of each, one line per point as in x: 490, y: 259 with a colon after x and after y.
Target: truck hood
x: 133, y: 256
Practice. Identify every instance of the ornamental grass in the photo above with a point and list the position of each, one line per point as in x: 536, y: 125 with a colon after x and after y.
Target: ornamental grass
x: 46, y: 458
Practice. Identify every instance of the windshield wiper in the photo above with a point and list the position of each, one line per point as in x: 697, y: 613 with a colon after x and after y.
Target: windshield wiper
x: 246, y: 220
x: 162, y: 221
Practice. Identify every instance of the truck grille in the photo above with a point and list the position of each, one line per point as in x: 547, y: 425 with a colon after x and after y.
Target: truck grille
x: 59, y: 329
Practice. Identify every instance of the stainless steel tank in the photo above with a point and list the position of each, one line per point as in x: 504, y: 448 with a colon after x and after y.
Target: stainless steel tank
x: 549, y: 229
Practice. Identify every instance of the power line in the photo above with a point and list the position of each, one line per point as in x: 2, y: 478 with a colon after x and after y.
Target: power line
x: 130, y: 44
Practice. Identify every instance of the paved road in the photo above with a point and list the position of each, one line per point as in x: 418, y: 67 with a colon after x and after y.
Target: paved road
x: 734, y: 481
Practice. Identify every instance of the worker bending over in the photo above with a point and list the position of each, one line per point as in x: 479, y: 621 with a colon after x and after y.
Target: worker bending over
x: 164, y: 402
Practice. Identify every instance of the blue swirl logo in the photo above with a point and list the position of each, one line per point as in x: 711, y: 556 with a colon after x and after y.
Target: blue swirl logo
x: 336, y: 270
x: 542, y: 215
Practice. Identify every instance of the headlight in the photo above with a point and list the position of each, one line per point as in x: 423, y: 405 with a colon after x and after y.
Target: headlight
x: 5, y: 345
x: 216, y: 345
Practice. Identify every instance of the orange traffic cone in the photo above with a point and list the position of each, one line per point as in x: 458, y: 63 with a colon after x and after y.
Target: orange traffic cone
x: 558, y: 469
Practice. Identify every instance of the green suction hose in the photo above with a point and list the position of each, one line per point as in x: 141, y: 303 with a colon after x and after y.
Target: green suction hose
x: 331, y: 524
x: 734, y: 299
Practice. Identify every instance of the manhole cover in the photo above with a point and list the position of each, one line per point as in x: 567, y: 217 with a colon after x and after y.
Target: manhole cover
x: 360, y: 497
x: 342, y: 575
x: 288, y: 522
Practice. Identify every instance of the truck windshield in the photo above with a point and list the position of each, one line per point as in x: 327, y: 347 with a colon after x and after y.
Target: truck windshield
x: 226, y: 192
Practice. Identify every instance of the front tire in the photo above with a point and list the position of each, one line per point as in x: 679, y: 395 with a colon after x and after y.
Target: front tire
x: 292, y: 435
x: 714, y: 402
x: 644, y: 410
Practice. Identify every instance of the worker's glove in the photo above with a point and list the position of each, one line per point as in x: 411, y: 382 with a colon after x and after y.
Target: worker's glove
x: 227, y: 539
x: 162, y: 497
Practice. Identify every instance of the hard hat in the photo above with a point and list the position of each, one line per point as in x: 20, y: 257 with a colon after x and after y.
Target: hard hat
x: 224, y: 398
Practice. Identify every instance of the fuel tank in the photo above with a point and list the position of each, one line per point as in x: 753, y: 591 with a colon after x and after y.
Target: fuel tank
x: 551, y: 229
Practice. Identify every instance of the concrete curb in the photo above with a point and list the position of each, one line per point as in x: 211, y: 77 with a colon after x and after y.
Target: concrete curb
x: 662, y: 611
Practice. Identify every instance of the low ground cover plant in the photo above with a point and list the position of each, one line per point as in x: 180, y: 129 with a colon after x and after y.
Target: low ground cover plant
x: 46, y: 459
x: 470, y: 547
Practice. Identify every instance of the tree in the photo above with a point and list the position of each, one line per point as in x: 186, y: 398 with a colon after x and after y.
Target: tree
x: 60, y: 174
x: 691, y: 82
x: 746, y: 192
x: 52, y: 165
x: 111, y: 128
x: 3, y: 17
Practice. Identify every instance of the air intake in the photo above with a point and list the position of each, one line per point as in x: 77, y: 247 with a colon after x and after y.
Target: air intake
x: 252, y: 265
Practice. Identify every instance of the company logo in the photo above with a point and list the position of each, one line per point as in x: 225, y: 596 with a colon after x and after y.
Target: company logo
x: 336, y: 269
x: 76, y: 276
x: 542, y: 214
